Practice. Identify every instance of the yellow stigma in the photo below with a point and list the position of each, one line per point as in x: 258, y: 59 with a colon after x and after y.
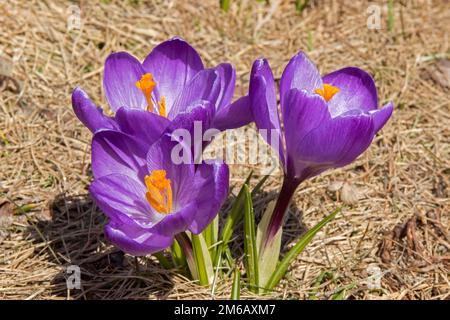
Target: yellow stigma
x: 327, y: 92
x: 146, y: 85
x: 159, y: 191
x: 162, y: 107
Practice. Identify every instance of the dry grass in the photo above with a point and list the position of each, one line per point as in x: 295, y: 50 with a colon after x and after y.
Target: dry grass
x: 401, y: 180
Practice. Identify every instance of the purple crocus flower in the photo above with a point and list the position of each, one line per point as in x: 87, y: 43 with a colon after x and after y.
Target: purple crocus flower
x: 171, y: 80
x: 148, y: 197
x: 327, y: 121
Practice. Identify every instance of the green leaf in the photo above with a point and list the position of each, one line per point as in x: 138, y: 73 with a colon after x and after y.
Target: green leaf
x: 225, y: 5
x: 235, y: 215
x: 210, y: 235
x: 267, y: 255
x: 293, y: 253
x: 163, y: 260
x: 310, y: 42
x: 342, y: 292
x: 25, y: 208
x: 259, y: 185
x: 185, y: 244
x: 321, y: 278
x: 390, y: 7
x: 202, y: 260
x: 178, y: 257
x: 300, y: 5
x: 251, y: 254
x: 232, y: 220
x: 236, y: 288
x: 228, y: 256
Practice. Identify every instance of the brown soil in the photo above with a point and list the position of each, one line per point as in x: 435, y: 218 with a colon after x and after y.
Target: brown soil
x: 396, y: 217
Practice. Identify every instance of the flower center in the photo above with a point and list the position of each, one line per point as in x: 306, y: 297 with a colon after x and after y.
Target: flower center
x: 146, y: 85
x: 159, y: 191
x: 327, y: 92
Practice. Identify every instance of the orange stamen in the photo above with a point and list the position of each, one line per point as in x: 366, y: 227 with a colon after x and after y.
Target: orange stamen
x: 327, y: 92
x: 162, y: 107
x: 159, y: 191
x: 146, y: 85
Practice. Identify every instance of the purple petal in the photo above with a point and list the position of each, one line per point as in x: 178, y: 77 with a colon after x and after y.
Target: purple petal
x: 122, y: 71
x: 263, y: 103
x: 300, y: 73
x: 356, y: 91
x: 302, y: 112
x: 209, y: 189
x: 88, y: 113
x: 123, y: 200
x: 200, y: 111
x: 227, y: 78
x: 115, y: 152
x: 204, y: 86
x: 145, y: 126
x: 136, y: 241
x: 335, y: 143
x: 215, y: 85
x: 235, y: 115
x: 194, y: 122
x: 381, y: 116
x: 178, y: 221
x: 173, y: 64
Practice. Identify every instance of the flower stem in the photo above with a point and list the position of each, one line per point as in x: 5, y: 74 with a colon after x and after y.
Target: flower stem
x: 276, y: 220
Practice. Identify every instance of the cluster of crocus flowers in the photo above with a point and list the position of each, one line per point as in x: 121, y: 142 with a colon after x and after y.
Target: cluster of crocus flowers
x: 327, y: 121
x: 150, y: 199
x: 147, y: 197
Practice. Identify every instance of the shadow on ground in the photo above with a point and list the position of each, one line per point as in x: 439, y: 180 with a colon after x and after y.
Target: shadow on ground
x: 75, y: 238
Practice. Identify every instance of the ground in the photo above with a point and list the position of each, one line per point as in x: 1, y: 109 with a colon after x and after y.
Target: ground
x: 395, y: 221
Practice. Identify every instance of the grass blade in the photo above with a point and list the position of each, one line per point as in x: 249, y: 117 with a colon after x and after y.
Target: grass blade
x: 310, y: 42
x: 202, y: 260
x: 228, y: 256
x: 210, y: 235
x: 233, y: 219
x: 320, y: 279
x: 259, y: 185
x: 251, y: 254
x: 165, y: 263
x: 225, y: 5
x: 300, y: 5
x: 236, y: 288
x: 390, y: 7
x: 341, y: 294
x: 235, y: 213
x: 284, y: 264
x: 178, y: 257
